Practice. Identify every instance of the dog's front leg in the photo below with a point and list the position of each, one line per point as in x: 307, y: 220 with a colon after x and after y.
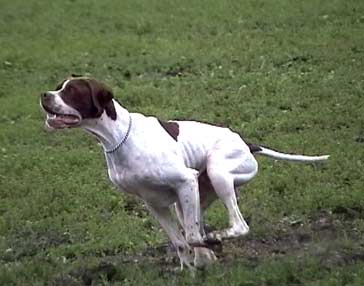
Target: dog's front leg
x: 189, y: 200
x: 165, y: 218
x: 203, y: 256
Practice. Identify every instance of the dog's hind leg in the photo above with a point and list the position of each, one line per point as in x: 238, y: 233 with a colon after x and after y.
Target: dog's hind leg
x: 237, y: 226
x: 229, y: 166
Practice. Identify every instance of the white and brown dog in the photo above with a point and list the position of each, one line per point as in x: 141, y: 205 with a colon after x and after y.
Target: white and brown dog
x: 185, y: 164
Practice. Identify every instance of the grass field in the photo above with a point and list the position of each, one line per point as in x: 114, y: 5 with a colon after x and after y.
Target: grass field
x: 286, y: 74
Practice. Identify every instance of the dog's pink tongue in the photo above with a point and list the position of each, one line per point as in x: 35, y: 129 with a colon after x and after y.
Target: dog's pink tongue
x: 56, y: 123
x: 68, y: 119
x: 61, y: 121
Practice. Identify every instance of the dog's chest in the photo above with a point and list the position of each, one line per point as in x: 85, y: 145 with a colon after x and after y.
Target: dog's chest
x: 117, y: 178
x: 123, y: 178
x: 146, y: 183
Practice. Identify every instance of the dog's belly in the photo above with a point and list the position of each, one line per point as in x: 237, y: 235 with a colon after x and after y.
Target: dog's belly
x: 161, y: 196
x: 150, y: 190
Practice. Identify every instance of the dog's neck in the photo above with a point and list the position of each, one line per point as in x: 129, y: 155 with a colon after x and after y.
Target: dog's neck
x: 108, y: 131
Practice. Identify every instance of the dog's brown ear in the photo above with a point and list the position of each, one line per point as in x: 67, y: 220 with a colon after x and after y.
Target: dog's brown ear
x: 102, y: 98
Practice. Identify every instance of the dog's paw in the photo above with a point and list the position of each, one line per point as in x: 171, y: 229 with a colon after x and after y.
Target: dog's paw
x: 211, y: 240
x: 214, y: 237
x: 204, y: 257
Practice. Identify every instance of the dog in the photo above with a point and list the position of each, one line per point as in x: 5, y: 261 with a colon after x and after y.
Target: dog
x: 180, y: 164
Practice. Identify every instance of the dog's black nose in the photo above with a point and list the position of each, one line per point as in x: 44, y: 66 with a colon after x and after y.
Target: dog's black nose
x: 44, y: 95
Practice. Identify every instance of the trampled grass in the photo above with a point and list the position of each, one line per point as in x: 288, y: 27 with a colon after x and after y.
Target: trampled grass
x: 286, y: 74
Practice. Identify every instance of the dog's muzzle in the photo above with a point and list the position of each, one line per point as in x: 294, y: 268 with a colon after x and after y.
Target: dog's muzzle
x: 56, y: 117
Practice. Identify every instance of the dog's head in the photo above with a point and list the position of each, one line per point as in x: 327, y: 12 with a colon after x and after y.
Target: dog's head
x: 76, y: 100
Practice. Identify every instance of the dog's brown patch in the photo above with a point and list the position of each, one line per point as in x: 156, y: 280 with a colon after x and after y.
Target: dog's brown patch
x: 89, y: 97
x: 171, y: 127
x: 254, y: 148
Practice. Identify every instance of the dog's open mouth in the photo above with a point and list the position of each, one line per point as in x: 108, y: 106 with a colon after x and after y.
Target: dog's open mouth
x: 59, y: 121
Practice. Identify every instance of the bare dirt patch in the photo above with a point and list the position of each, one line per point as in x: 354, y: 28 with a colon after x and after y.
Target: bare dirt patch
x: 330, y: 237
x: 323, y: 236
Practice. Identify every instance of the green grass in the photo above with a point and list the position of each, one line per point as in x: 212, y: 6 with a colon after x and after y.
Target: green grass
x: 286, y: 74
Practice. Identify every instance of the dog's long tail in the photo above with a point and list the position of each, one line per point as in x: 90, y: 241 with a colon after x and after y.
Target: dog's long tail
x: 257, y: 149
